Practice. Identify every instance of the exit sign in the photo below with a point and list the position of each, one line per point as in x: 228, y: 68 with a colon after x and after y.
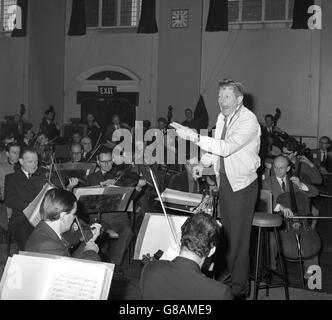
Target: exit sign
x: 106, y: 91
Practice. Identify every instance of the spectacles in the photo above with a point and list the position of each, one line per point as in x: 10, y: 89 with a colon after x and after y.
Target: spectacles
x: 106, y: 162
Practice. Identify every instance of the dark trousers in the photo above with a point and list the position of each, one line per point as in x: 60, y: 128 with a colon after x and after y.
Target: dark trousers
x: 21, y: 229
x: 237, y: 211
x: 119, y: 222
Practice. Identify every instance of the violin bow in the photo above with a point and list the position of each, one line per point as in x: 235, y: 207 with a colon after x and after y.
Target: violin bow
x: 163, y: 207
x: 81, y: 230
x: 96, y: 148
x: 58, y: 174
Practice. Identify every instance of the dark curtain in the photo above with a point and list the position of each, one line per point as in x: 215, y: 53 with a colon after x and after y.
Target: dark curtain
x: 147, y: 22
x: 77, y: 25
x: 218, y: 16
x: 201, y: 115
x: 300, y: 14
x: 23, y: 4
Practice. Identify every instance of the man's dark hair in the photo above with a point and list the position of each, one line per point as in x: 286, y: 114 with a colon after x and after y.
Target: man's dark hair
x: 325, y: 137
x: 12, y: 145
x: 56, y: 201
x: 236, y: 86
x: 162, y: 119
x: 188, y: 109
x: 269, y: 116
x: 292, y: 145
x: 200, y: 233
x: 25, y: 150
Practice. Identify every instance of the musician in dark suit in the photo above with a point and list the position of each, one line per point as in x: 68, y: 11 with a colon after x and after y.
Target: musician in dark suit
x: 87, y: 148
x: 115, y: 221
x: 93, y: 129
x: 21, y: 187
x: 57, y: 212
x: 48, y: 127
x: 181, y: 278
x: 279, y: 184
x: 308, y: 172
x: 116, y: 124
x: 322, y: 157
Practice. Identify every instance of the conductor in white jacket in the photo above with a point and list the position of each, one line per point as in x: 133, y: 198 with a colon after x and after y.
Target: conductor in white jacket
x: 233, y: 151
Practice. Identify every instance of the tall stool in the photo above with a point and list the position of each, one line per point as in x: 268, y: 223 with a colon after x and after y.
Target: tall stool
x: 263, y: 271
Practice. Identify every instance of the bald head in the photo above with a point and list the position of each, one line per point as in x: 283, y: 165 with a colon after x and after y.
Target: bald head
x: 281, y: 166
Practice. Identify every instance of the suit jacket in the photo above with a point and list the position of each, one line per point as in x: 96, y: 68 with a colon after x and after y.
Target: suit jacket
x: 317, y: 156
x: 45, y: 240
x: 180, y: 279
x: 49, y: 129
x: 20, y: 191
x: 5, y: 168
x: 272, y: 184
x: 307, y: 174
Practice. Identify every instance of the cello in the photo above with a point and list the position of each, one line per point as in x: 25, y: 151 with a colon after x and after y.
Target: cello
x: 298, y: 240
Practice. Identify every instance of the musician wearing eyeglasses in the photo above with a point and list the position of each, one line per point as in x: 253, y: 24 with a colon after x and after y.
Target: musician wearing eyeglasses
x: 233, y: 152
x: 116, y: 224
x: 57, y: 212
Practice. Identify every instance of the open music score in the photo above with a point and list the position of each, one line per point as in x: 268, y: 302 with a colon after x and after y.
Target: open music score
x: 58, y: 278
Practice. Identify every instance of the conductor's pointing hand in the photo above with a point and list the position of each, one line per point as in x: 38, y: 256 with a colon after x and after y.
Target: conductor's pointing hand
x: 184, y: 132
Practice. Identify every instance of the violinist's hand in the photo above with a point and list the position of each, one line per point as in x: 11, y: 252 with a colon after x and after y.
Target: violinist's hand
x: 322, y: 170
x: 73, y: 182
x: 304, y: 159
x: 91, y: 245
x: 185, y: 132
x: 286, y: 212
x: 95, y: 229
x: 197, y: 171
x: 299, y: 184
x: 141, y: 183
x: 108, y: 182
x: 74, y: 227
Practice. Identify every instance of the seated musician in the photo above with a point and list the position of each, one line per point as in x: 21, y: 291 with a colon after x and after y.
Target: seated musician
x: 278, y: 184
x: 57, y: 212
x: 21, y: 188
x: 75, y: 137
x: 115, y: 221
x: 322, y: 157
x: 185, y: 182
x: 304, y: 168
x: 181, y: 278
x: 76, y: 152
x: 307, y: 170
x: 87, y: 148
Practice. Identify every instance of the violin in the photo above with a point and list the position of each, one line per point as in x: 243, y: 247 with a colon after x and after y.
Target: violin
x: 298, y: 239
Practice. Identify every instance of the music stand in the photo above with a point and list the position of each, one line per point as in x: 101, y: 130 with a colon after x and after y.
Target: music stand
x: 101, y: 200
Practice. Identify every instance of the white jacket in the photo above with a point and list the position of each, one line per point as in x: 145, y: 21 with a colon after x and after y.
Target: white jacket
x: 239, y: 149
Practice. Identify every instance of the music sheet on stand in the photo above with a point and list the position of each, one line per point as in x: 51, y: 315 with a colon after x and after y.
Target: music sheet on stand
x: 76, y: 283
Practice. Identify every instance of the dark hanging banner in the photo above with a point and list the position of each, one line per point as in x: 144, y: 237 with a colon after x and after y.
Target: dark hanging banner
x: 147, y: 22
x: 300, y: 13
x: 77, y: 25
x: 20, y: 29
x: 201, y: 115
x: 218, y: 16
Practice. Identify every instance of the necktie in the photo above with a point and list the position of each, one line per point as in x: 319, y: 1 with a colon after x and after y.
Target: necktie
x: 29, y: 175
x: 283, y: 185
x: 324, y: 156
x: 223, y: 134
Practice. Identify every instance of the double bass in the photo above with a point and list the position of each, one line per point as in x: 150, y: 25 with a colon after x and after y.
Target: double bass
x: 298, y: 240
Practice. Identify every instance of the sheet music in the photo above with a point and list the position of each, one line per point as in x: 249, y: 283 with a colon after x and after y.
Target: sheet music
x: 30, y: 276
x: 77, y: 282
x: 32, y: 210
